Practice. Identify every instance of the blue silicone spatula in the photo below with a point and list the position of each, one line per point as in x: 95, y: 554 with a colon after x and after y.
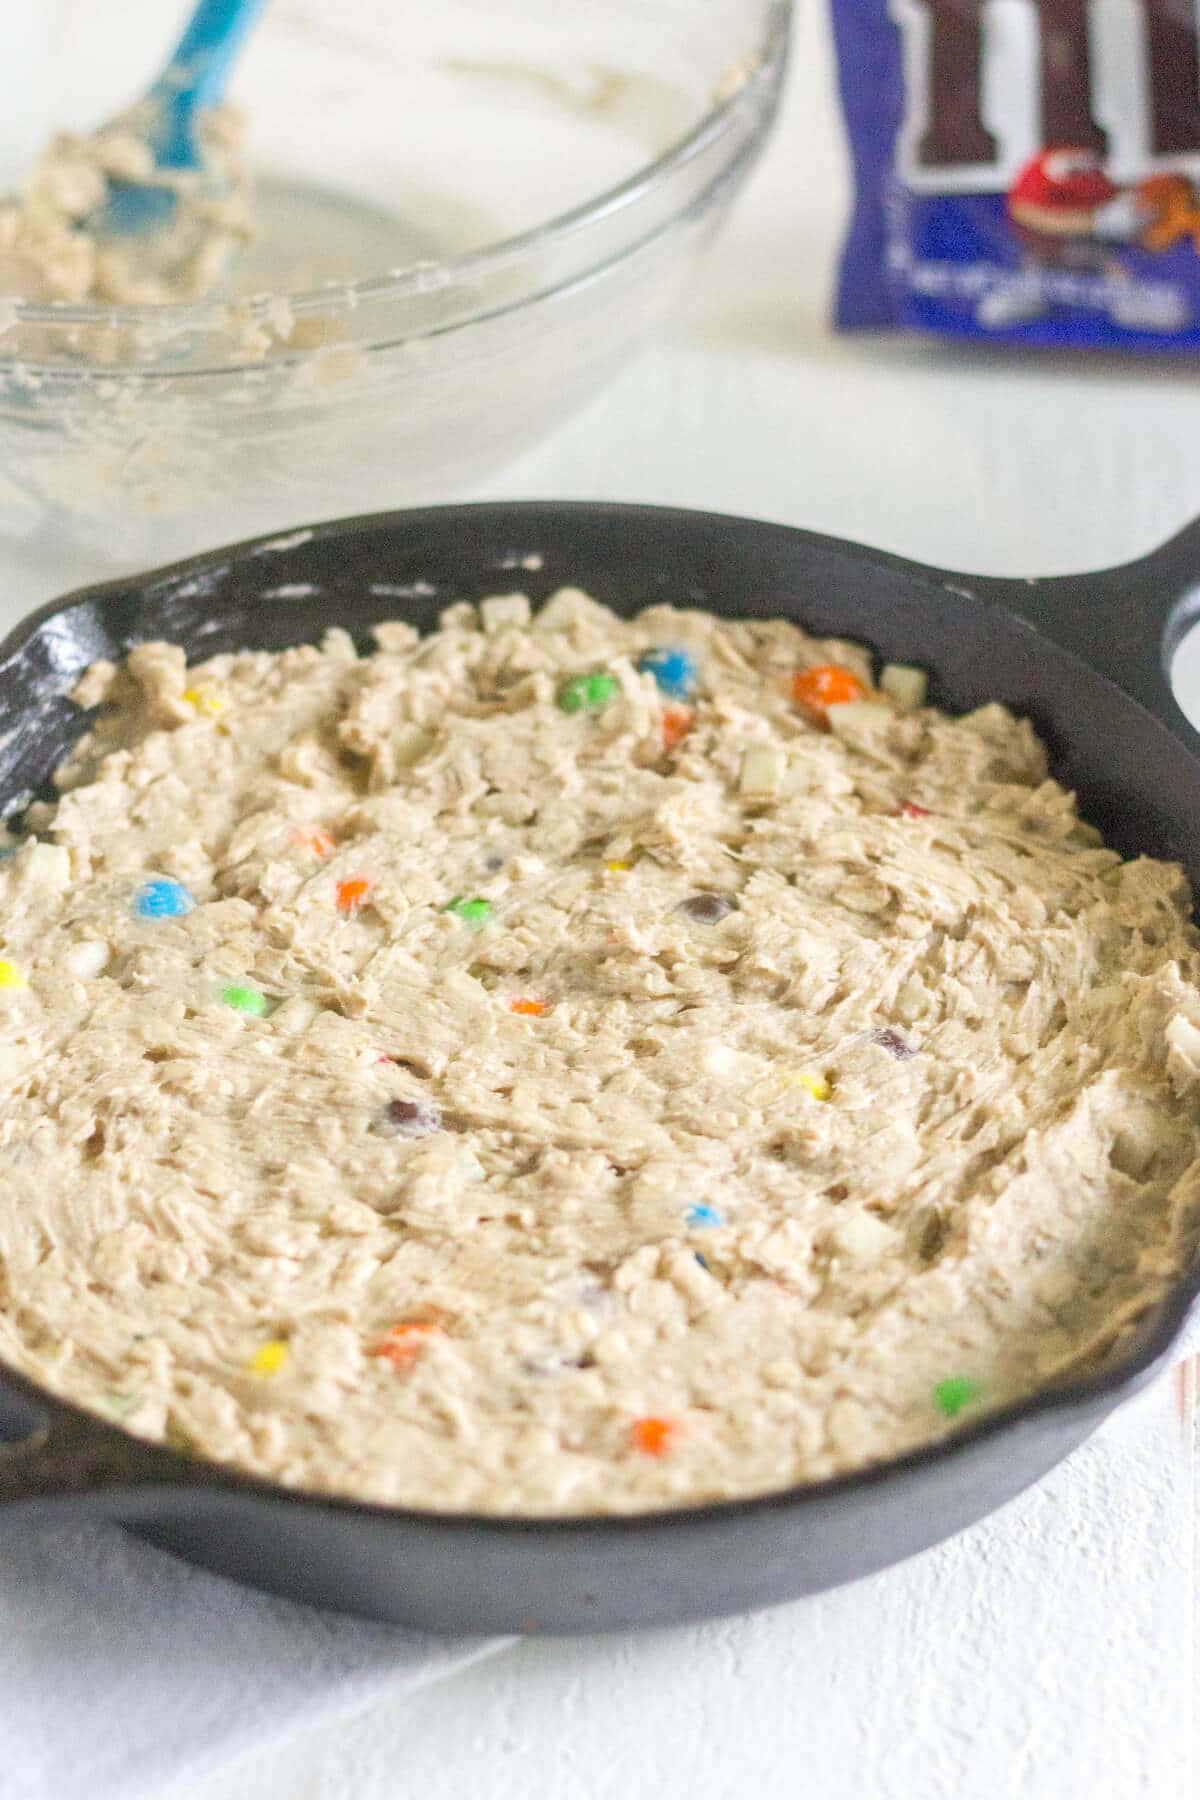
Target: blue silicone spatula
x: 194, y: 78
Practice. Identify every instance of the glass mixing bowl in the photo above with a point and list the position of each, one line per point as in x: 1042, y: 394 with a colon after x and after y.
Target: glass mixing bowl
x: 470, y: 215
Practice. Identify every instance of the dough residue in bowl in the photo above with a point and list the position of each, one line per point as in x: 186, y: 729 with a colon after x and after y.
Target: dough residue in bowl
x: 49, y: 250
x: 563, y: 1064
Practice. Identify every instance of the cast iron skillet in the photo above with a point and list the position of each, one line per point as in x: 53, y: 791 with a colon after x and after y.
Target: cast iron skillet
x: 1085, y: 657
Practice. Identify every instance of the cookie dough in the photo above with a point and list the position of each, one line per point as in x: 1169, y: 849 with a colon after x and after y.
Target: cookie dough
x: 47, y: 251
x: 564, y: 1065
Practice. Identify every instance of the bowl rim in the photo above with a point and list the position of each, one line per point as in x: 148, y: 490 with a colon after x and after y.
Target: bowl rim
x: 747, y: 97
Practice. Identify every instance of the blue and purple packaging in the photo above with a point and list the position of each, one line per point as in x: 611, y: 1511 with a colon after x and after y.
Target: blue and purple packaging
x: 1027, y: 171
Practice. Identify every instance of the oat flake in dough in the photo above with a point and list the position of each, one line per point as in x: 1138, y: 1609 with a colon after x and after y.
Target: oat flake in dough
x: 211, y: 1218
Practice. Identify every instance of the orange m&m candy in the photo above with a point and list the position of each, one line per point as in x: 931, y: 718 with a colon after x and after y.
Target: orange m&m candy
x: 352, y: 893
x: 677, y: 721
x: 653, y: 1437
x: 816, y: 690
x: 404, y: 1343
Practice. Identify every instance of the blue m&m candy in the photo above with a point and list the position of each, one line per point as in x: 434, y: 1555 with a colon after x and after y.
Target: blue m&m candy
x: 703, y: 1215
x: 162, y: 899
x: 673, y: 669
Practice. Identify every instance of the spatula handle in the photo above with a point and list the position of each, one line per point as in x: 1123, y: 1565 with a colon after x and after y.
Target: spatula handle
x: 198, y: 70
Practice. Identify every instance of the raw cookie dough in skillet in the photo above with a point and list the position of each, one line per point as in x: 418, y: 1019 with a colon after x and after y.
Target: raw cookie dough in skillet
x: 570, y: 1064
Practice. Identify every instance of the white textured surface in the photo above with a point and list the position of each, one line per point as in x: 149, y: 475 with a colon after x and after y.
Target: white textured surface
x: 1050, y: 1652
x: 120, y: 1666
x: 1044, y: 1654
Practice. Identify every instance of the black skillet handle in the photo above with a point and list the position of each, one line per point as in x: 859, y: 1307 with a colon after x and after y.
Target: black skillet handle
x: 1126, y: 623
x: 50, y: 1451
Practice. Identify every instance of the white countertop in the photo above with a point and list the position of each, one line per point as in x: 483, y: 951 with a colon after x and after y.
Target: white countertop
x: 1049, y: 1653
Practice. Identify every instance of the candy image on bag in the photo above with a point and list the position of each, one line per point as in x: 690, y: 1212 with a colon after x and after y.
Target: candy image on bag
x: 1027, y: 171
